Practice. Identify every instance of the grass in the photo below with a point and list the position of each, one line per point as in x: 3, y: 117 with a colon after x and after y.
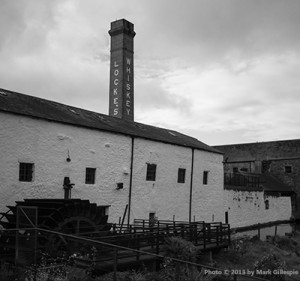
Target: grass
x: 244, y: 253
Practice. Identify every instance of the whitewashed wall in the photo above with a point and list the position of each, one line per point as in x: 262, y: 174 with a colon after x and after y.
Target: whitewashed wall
x: 207, y: 201
x: 164, y: 196
x: 46, y: 144
x: 248, y: 208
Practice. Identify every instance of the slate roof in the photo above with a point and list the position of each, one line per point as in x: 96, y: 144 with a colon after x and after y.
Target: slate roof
x: 22, y: 104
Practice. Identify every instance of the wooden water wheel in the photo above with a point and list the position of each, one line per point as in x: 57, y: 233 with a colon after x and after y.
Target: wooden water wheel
x: 70, y: 216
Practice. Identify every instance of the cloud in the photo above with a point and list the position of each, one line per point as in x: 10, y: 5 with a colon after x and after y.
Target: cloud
x: 256, y: 103
x: 216, y: 30
x: 217, y: 70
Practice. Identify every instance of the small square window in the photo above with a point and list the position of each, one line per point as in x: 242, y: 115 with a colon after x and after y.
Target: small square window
x: 26, y: 172
x: 288, y: 169
x: 181, y: 175
x: 205, y: 177
x: 151, y: 172
x: 90, y: 175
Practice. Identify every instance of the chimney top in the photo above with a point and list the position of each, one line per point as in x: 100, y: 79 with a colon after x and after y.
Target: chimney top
x: 121, y: 26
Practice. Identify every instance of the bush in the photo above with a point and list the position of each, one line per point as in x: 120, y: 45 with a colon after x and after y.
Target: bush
x: 49, y: 269
x: 266, y: 266
x: 179, y: 248
x: 285, y: 243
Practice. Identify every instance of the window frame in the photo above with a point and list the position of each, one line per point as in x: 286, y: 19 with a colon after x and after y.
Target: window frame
x: 288, y: 169
x: 151, y: 172
x: 205, y: 178
x: 90, y: 175
x: 181, y: 175
x: 26, y: 172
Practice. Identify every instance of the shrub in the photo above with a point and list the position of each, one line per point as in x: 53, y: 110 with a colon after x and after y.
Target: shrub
x: 179, y: 248
x: 285, y: 243
x: 50, y: 269
x: 266, y: 266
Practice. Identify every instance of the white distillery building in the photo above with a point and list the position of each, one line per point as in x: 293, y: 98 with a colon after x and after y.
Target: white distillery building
x: 112, y: 160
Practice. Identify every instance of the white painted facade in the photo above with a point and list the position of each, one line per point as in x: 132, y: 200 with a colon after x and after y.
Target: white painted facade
x: 208, y: 202
x: 247, y: 208
x: 48, y: 144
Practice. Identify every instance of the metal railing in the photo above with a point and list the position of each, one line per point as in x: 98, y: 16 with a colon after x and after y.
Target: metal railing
x: 237, y: 179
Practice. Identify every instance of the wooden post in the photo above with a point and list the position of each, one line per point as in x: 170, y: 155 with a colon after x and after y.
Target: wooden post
x: 115, y: 263
x: 35, y: 236
x: 258, y: 231
x: 17, y: 236
x: 229, y: 238
x: 182, y: 231
x: 196, y: 234
x: 204, y: 236
x: 275, y: 230
x: 157, y: 243
x: 137, y: 238
x: 221, y: 232
x: 124, y: 215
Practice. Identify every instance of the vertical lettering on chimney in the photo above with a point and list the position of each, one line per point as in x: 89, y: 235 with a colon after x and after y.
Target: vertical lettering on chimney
x: 121, y: 95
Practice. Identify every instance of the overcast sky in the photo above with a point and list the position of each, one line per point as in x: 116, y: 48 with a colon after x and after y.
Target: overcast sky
x: 223, y: 71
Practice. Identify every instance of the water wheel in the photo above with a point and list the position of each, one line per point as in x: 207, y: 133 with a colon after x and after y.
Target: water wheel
x: 71, y: 216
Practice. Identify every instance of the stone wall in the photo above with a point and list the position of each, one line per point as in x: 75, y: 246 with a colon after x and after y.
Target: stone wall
x: 263, y: 157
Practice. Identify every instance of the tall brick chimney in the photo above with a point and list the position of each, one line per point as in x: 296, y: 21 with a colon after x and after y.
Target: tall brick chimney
x: 121, y: 99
